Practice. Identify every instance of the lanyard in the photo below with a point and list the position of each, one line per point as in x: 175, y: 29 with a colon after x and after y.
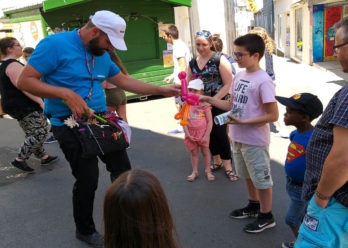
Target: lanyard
x: 91, y: 72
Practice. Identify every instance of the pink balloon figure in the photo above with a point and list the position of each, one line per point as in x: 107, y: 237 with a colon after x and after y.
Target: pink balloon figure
x: 191, y: 99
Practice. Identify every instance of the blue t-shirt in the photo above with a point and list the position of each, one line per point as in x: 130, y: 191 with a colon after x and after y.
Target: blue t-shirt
x: 61, y: 58
x: 295, y: 163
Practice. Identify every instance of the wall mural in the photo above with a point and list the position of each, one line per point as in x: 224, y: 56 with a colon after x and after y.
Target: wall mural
x: 331, y: 16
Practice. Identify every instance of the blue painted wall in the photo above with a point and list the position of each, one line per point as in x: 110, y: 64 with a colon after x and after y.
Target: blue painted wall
x: 318, y: 33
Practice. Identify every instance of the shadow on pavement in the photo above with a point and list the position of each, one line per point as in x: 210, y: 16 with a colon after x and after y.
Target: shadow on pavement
x: 338, y: 82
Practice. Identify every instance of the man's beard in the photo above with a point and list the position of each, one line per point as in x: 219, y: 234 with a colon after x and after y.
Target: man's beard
x: 94, y: 48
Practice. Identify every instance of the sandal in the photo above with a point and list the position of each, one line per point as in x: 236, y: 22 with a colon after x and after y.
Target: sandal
x: 210, y: 176
x: 231, y: 175
x: 215, y: 167
x: 192, y: 177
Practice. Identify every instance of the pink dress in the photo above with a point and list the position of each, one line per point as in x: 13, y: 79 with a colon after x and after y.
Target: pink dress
x: 197, y: 125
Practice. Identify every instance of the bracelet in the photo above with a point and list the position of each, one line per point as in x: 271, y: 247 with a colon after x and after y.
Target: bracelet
x: 322, y: 197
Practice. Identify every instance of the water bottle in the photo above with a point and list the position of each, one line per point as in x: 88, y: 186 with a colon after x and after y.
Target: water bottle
x: 223, y: 118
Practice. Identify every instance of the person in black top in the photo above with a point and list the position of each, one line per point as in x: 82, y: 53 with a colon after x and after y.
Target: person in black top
x: 22, y: 106
x: 216, y: 74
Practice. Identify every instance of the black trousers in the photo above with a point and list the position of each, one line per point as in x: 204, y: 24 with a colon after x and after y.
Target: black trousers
x: 86, y: 173
x: 219, y: 143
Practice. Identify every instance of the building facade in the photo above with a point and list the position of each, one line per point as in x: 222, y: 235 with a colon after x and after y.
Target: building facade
x: 303, y: 29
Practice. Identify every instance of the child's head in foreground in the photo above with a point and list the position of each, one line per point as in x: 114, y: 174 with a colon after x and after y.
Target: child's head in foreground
x: 196, y: 86
x: 301, y: 108
x: 136, y: 213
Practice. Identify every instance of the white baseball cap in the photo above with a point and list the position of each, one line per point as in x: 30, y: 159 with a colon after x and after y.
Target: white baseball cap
x: 111, y: 24
x: 196, y: 84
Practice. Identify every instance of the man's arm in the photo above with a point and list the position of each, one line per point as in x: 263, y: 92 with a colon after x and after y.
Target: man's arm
x: 29, y: 80
x: 182, y: 66
x: 136, y: 86
x: 335, y: 169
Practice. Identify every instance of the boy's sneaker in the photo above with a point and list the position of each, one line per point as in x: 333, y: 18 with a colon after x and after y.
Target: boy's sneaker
x: 50, y: 140
x: 49, y: 160
x: 243, y: 213
x: 288, y: 245
x: 259, y: 225
x: 22, y: 166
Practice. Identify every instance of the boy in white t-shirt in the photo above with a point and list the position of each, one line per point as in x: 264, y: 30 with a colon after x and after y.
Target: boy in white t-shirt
x: 253, y: 95
x: 181, y: 59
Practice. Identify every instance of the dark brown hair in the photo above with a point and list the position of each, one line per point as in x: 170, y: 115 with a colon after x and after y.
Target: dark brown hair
x: 117, y: 61
x: 28, y: 50
x: 173, y: 31
x: 253, y: 43
x: 136, y: 213
x: 6, y: 43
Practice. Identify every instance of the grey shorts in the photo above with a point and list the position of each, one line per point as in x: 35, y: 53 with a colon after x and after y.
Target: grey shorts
x: 115, y: 97
x: 253, y: 162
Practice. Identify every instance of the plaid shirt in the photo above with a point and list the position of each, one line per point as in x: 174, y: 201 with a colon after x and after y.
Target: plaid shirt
x: 336, y: 114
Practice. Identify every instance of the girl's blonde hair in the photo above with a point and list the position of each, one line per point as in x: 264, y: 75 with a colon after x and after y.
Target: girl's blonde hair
x: 269, y: 43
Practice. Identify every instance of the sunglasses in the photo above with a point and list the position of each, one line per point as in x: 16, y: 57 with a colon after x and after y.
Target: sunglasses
x: 204, y: 33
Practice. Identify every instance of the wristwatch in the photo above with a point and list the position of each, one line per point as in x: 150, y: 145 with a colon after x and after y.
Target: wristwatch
x: 322, y: 197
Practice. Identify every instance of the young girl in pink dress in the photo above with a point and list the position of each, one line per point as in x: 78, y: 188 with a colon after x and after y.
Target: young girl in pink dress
x: 197, y: 132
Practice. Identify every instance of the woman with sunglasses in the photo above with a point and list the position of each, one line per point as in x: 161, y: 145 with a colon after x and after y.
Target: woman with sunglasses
x: 215, y: 71
x: 22, y: 106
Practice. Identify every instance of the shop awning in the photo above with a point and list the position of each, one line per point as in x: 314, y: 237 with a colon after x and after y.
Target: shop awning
x: 179, y: 2
x: 53, y: 4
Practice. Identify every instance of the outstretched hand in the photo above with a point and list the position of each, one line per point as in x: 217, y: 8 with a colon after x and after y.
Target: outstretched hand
x: 204, y: 98
x: 172, y: 90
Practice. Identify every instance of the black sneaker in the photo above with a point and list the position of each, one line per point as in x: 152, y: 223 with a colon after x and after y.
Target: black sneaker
x: 22, y: 166
x: 259, y: 225
x: 49, y: 160
x: 246, y: 212
x: 95, y: 239
x: 50, y: 140
x: 288, y: 245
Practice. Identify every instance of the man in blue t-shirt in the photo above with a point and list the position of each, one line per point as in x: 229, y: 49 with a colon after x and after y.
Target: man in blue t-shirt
x: 71, y: 66
x: 301, y: 109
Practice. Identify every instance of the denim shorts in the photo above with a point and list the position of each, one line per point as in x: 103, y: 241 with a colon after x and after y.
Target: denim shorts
x: 324, y: 227
x: 297, y: 208
x: 253, y: 162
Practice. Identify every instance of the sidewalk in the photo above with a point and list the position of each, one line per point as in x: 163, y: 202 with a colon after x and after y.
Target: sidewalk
x: 332, y: 67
